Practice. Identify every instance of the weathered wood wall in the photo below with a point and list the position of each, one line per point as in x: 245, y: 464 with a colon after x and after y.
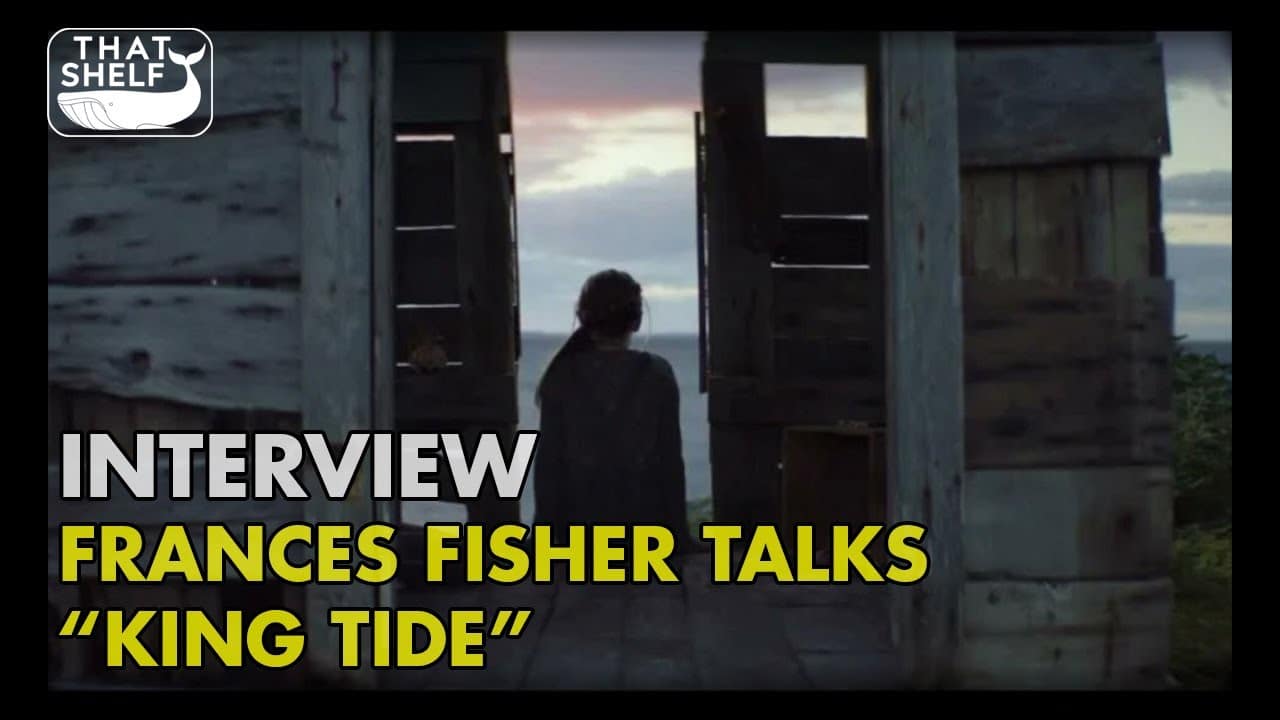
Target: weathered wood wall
x: 1068, y: 343
x: 175, y: 300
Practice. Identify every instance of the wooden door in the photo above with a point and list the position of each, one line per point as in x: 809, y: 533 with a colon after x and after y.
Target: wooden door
x: 792, y: 277
x: 453, y: 273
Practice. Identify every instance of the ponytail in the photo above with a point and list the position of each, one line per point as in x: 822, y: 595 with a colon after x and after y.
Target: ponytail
x: 579, y: 341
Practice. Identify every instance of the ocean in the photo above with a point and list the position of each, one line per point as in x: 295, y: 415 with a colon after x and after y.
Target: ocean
x: 682, y: 352
x: 1205, y: 293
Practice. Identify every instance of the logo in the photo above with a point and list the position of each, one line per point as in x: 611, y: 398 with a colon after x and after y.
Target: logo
x: 121, y: 82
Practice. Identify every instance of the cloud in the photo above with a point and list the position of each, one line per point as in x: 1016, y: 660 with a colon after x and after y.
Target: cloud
x: 644, y: 216
x: 604, y: 72
x: 1204, y: 325
x: 573, y: 151
x: 1198, y: 61
x: 1202, y: 192
x: 664, y: 291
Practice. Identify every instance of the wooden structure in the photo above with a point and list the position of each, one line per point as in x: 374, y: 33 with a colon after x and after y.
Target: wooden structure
x: 998, y: 301
x: 1068, y: 343
x: 272, y: 275
x: 982, y: 274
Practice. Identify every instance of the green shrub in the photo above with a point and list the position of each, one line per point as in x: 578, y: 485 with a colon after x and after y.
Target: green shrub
x: 1201, y: 652
x: 1202, y: 608
x: 1202, y: 439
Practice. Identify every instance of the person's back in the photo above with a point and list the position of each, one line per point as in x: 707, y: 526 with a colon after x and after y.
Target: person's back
x: 610, y: 449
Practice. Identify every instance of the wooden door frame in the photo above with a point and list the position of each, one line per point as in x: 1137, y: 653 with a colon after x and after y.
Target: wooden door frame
x: 912, y: 107
x: 336, y: 77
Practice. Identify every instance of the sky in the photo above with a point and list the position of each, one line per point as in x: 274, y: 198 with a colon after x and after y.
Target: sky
x: 605, y: 159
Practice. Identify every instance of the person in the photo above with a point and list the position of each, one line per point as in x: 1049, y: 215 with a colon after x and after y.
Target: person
x: 609, y: 450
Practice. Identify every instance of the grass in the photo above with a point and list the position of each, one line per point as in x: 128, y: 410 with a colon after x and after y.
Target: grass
x: 1201, y: 652
x: 699, y: 512
x: 1201, y: 656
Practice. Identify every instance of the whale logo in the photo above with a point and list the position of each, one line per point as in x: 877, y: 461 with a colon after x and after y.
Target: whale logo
x: 136, y: 109
x: 130, y: 82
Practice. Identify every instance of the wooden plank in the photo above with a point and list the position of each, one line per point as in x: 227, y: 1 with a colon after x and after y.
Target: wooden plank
x: 1158, y: 262
x: 506, y: 660
x: 822, y: 302
x: 852, y: 670
x: 122, y: 508
x: 738, y: 641
x: 455, y: 397
x: 738, y: 285
x: 800, y: 358
x: 746, y: 401
x: 917, y: 101
x: 876, y: 222
x: 485, y: 262
x: 1070, y: 635
x: 745, y: 478
x: 1022, y: 106
x: 337, y: 332
x: 1068, y: 375
x: 448, y: 46
x: 103, y: 413
x: 254, y: 72
x: 1008, y: 607
x: 841, y: 48
x: 1098, y: 661
x: 853, y: 629
x: 436, y: 92
x: 581, y: 644
x: 424, y: 184
x: 700, y: 245
x: 1131, y: 219
x: 818, y: 175
x: 59, y: 419
x: 1050, y: 209
x: 987, y: 233
x: 657, y: 645
x: 823, y: 241
x: 1097, y: 245
x: 211, y: 346
x: 1094, y: 523
x: 384, y: 260
x: 1054, y: 37
x: 136, y: 210
x: 163, y: 416
x: 426, y: 267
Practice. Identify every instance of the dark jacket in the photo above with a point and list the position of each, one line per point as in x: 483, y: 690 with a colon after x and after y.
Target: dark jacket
x: 609, y: 450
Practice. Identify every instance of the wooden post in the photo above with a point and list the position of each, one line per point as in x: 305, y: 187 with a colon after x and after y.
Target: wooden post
x: 738, y: 282
x: 920, y: 172
x: 384, y: 278
x: 336, y: 77
x: 486, y: 264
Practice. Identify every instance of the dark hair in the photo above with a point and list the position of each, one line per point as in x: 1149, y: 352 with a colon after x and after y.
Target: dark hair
x: 609, y: 306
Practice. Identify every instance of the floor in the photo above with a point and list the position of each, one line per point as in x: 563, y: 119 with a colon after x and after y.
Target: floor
x: 687, y: 636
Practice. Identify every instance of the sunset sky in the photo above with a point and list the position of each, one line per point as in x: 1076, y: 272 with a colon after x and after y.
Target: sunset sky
x: 604, y: 153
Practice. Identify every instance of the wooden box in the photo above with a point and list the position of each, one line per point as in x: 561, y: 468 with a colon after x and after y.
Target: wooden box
x: 834, y: 475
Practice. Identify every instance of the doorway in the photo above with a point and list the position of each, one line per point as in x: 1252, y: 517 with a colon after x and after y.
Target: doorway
x: 855, y: 336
